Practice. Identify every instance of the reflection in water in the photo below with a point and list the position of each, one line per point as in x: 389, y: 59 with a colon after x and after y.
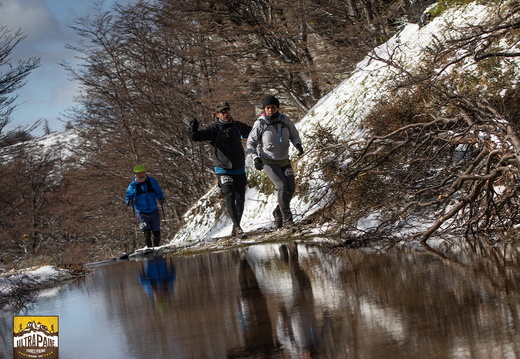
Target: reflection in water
x: 157, y: 279
x: 256, y: 326
x: 294, y: 301
x: 298, y: 327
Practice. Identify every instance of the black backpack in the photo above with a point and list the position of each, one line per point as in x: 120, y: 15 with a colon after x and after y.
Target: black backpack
x: 139, y: 188
x: 266, y: 125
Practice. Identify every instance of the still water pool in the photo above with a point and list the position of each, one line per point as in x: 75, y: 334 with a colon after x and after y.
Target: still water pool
x: 288, y: 301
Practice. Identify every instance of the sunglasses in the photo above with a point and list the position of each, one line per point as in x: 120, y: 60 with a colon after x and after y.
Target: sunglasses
x: 226, y: 110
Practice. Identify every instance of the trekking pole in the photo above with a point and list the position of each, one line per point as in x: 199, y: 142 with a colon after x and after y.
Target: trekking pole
x: 162, y: 208
x: 126, y: 255
x: 136, y: 240
x: 164, y: 218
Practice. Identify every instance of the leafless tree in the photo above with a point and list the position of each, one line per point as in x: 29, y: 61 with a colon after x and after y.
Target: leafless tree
x: 446, y: 146
x: 147, y: 68
x: 299, y: 50
x: 25, y: 210
x: 12, y: 78
x: 141, y: 86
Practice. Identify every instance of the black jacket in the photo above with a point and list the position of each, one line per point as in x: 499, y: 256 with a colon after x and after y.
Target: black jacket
x: 226, y: 139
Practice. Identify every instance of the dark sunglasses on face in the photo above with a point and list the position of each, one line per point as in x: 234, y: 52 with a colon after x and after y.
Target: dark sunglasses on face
x: 226, y: 110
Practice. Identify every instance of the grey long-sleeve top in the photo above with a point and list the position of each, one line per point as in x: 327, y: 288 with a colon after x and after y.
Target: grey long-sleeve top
x: 270, y: 140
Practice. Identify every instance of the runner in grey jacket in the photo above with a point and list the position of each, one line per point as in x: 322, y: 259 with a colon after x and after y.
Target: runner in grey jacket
x: 268, y: 146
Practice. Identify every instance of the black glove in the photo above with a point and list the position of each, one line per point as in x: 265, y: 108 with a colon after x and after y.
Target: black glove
x: 161, y: 201
x: 131, y: 202
x: 299, y: 148
x: 194, y: 125
x: 259, y: 165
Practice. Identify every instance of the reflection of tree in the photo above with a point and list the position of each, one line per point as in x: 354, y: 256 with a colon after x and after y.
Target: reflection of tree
x: 477, y: 260
x: 254, y: 318
x: 157, y: 279
x: 420, y: 303
x: 294, y: 301
x: 21, y: 293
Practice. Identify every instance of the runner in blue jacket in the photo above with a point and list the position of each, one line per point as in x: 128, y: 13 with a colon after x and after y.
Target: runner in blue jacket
x: 142, y: 194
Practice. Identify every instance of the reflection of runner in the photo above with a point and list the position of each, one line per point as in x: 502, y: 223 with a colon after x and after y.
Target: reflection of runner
x: 292, y: 311
x: 301, y: 332
x: 255, y: 321
x: 157, y: 279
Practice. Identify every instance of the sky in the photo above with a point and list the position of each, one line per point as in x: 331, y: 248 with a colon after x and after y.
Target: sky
x: 48, y: 92
x: 342, y: 112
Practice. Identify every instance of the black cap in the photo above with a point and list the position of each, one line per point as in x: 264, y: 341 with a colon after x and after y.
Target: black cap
x: 270, y: 100
x: 222, y: 105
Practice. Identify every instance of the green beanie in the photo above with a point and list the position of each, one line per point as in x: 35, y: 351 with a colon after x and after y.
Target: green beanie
x: 139, y: 168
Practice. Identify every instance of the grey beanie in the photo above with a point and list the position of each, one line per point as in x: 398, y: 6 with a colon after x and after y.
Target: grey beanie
x: 270, y: 100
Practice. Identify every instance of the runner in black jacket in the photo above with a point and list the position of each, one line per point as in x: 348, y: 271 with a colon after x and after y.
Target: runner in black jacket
x: 226, y: 135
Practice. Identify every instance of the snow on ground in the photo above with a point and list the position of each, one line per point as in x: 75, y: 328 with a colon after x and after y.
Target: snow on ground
x: 341, y: 114
x: 62, y: 141
x: 31, y: 278
x: 58, y: 144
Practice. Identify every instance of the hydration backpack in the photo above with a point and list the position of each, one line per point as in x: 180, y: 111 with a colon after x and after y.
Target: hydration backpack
x: 139, y: 188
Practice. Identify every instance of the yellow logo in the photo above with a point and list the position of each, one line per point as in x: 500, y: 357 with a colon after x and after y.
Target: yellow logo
x: 35, y: 337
